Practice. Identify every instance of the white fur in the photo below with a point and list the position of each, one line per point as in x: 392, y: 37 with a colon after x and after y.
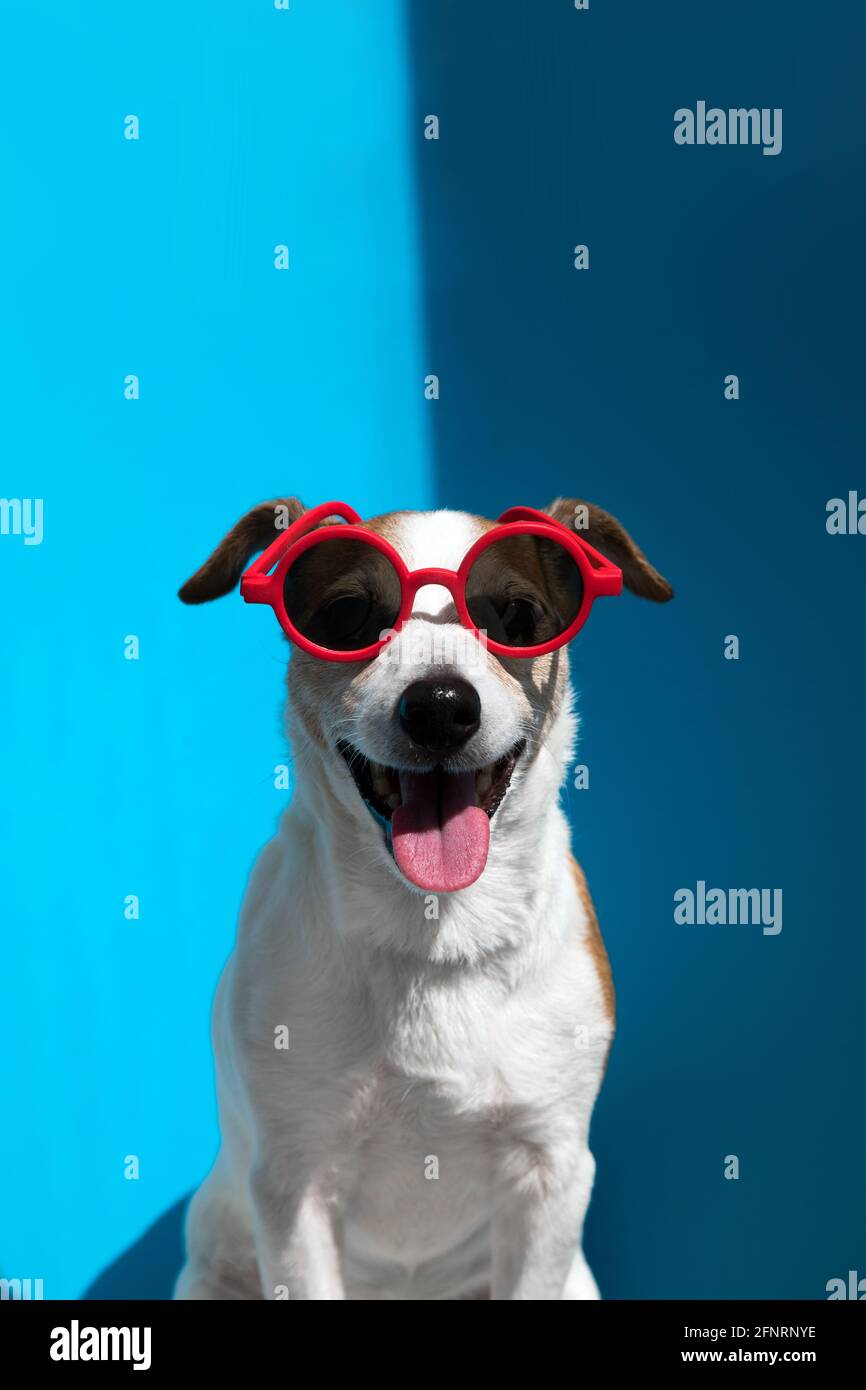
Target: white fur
x: 477, y: 1040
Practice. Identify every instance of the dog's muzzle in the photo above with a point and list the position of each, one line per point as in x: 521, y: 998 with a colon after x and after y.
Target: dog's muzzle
x: 436, y: 821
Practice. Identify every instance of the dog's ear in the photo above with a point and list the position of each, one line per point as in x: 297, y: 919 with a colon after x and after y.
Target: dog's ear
x: 221, y: 571
x: 610, y: 537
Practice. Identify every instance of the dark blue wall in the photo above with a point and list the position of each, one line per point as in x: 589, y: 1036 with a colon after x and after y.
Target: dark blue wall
x: 556, y: 129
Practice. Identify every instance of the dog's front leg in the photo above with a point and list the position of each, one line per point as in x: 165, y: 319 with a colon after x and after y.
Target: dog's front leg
x: 296, y: 1245
x: 538, y: 1227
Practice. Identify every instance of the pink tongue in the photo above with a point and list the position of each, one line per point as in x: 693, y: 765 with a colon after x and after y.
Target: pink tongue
x: 439, y: 833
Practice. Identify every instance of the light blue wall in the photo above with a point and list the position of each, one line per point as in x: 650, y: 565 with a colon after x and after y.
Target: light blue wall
x: 154, y: 777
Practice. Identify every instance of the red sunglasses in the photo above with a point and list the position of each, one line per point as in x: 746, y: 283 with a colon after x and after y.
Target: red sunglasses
x: 341, y: 592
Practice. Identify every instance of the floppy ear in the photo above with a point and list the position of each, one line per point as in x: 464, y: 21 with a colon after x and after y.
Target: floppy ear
x: 607, y: 535
x: 255, y: 531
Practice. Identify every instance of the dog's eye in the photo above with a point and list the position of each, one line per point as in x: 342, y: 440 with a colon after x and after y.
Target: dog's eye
x: 512, y: 620
x: 519, y: 620
x: 342, y: 595
x: 524, y: 590
x: 345, y: 618
x: 350, y: 621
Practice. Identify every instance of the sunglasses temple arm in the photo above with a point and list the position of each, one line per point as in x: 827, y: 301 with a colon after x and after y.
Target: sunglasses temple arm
x: 608, y: 582
x: 256, y: 584
x: 256, y: 588
x: 608, y: 577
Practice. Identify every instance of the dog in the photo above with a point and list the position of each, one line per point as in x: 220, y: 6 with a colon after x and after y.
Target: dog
x: 413, y: 1027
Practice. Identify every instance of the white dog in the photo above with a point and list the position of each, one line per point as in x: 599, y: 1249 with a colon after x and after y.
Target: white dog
x: 413, y: 1027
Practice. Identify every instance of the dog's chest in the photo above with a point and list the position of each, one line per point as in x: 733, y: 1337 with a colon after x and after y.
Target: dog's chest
x: 446, y: 1103
x: 421, y: 1179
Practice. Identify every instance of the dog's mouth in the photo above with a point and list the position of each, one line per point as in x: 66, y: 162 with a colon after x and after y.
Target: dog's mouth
x: 436, y: 823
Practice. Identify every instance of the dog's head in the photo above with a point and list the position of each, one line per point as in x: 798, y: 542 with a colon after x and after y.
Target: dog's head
x: 427, y: 748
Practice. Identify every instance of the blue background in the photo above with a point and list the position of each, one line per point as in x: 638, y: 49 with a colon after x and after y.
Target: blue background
x: 408, y: 256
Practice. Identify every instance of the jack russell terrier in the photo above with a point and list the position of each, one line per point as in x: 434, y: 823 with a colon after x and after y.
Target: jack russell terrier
x: 413, y: 1027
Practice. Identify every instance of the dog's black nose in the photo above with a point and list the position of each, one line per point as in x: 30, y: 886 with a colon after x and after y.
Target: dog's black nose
x: 440, y: 715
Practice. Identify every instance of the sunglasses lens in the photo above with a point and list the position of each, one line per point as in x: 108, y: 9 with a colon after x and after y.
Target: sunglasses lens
x: 524, y: 590
x: 342, y: 594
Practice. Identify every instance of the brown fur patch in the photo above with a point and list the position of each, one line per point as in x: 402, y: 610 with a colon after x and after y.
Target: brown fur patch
x: 608, y: 535
x: 484, y: 523
x: 594, y: 941
x: 387, y: 525
x: 255, y: 531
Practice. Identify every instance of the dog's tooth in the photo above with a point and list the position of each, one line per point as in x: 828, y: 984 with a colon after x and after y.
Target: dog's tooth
x: 392, y: 801
x: 484, y: 783
x: 380, y: 779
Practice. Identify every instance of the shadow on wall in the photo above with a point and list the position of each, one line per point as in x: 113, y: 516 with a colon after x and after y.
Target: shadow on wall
x: 149, y: 1268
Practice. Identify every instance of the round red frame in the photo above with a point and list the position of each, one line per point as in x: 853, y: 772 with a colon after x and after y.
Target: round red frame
x: 600, y: 576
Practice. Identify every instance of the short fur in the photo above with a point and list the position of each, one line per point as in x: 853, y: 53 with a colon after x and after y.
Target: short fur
x: 425, y: 1133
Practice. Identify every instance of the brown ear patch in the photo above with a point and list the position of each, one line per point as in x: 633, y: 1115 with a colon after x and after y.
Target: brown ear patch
x: 594, y: 942
x: 254, y: 532
x: 610, y: 537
